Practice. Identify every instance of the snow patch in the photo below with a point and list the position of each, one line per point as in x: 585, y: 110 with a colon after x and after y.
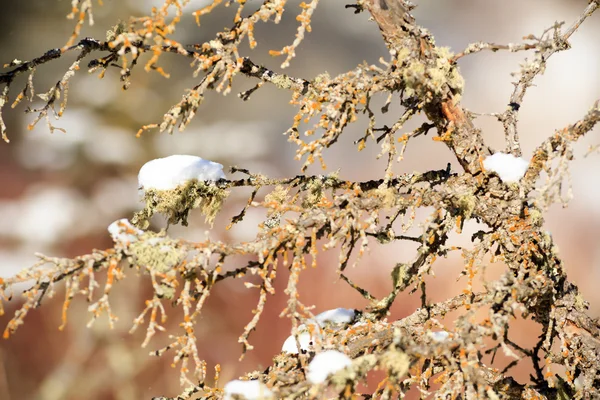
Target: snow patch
x: 169, y: 172
x: 289, y: 346
x: 336, y: 316
x: 250, y: 390
x: 508, y: 167
x: 331, y: 319
x: 439, y: 336
x: 122, y: 231
x: 325, y: 364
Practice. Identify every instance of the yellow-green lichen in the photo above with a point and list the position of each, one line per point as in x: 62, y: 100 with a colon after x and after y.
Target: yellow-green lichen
x: 156, y: 253
x: 177, y: 203
x: 445, y: 72
x: 273, y: 201
x: 413, y: 77
x: 466, y: 204
x: 536, y: 217
x: 315, y: 188
x: 322, y: 78
x: 279, y: 195
x: 395, y: 362
x: 282, y: 81
x: 314, y: 194
x: 115, y: 31
x: 386, y: 196
x: 402, y: 55
x: 423, y: 80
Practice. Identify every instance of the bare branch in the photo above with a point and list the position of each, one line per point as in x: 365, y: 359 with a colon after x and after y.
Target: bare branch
x: 530, y: 69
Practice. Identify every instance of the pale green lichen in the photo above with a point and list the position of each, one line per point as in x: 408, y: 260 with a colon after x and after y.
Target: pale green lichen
x: 314, y: 194
x: 274, y: 200
x: 402, y: 55
x: 395, y: 362
x: 387, y: 197
x: 420, y: 78
x: 315, y: 189
x: 322, y: 78
x: 177, y: 203
x: 467, y: 205
x: 445, y: 72
x: 413, y: 78
x: 536, y: 218
x: 115, y: 31
x: 282, y: 82
x: 159, y: 254
x: 279, y: 195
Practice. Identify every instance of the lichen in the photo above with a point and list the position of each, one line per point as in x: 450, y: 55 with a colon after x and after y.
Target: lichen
x: 466, y: 205
x: 315, y: 189
x: 386, y: 196
x: 282, y: 82
x: 314, y: 194
x: 420, y: 78
x: 446, y: 72
x: 177, y: 203
x: 322, y: 78
x: 156, y: 253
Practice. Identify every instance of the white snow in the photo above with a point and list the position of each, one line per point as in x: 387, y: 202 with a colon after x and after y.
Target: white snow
x: 123, y: 231
x: 250, y: 390
x: 289, y: 346
x: 439, y: 336
x: 508, y: 167
x: 169, y: 172
x: 336, y: 316
x: 325, y: 364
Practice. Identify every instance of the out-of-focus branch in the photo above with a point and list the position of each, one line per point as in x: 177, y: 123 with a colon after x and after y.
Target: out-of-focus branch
x: 558, y: 143
x: 85, y: 46
x: 494, y: 47
x: 530, y: 70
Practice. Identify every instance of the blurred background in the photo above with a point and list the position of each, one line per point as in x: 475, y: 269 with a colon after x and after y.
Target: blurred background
x: 59, y: 192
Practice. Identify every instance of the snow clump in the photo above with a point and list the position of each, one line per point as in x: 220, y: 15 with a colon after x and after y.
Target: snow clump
x: 122, y: 231
x: 336, y: 316
x: 249, y: 390
x: 508, y: 167
x: 439, y: 336
x: 326, y: 363
x: 305, y: 339
x: 175, y: 185
x: 327, y: 319
x: 169, y: 172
